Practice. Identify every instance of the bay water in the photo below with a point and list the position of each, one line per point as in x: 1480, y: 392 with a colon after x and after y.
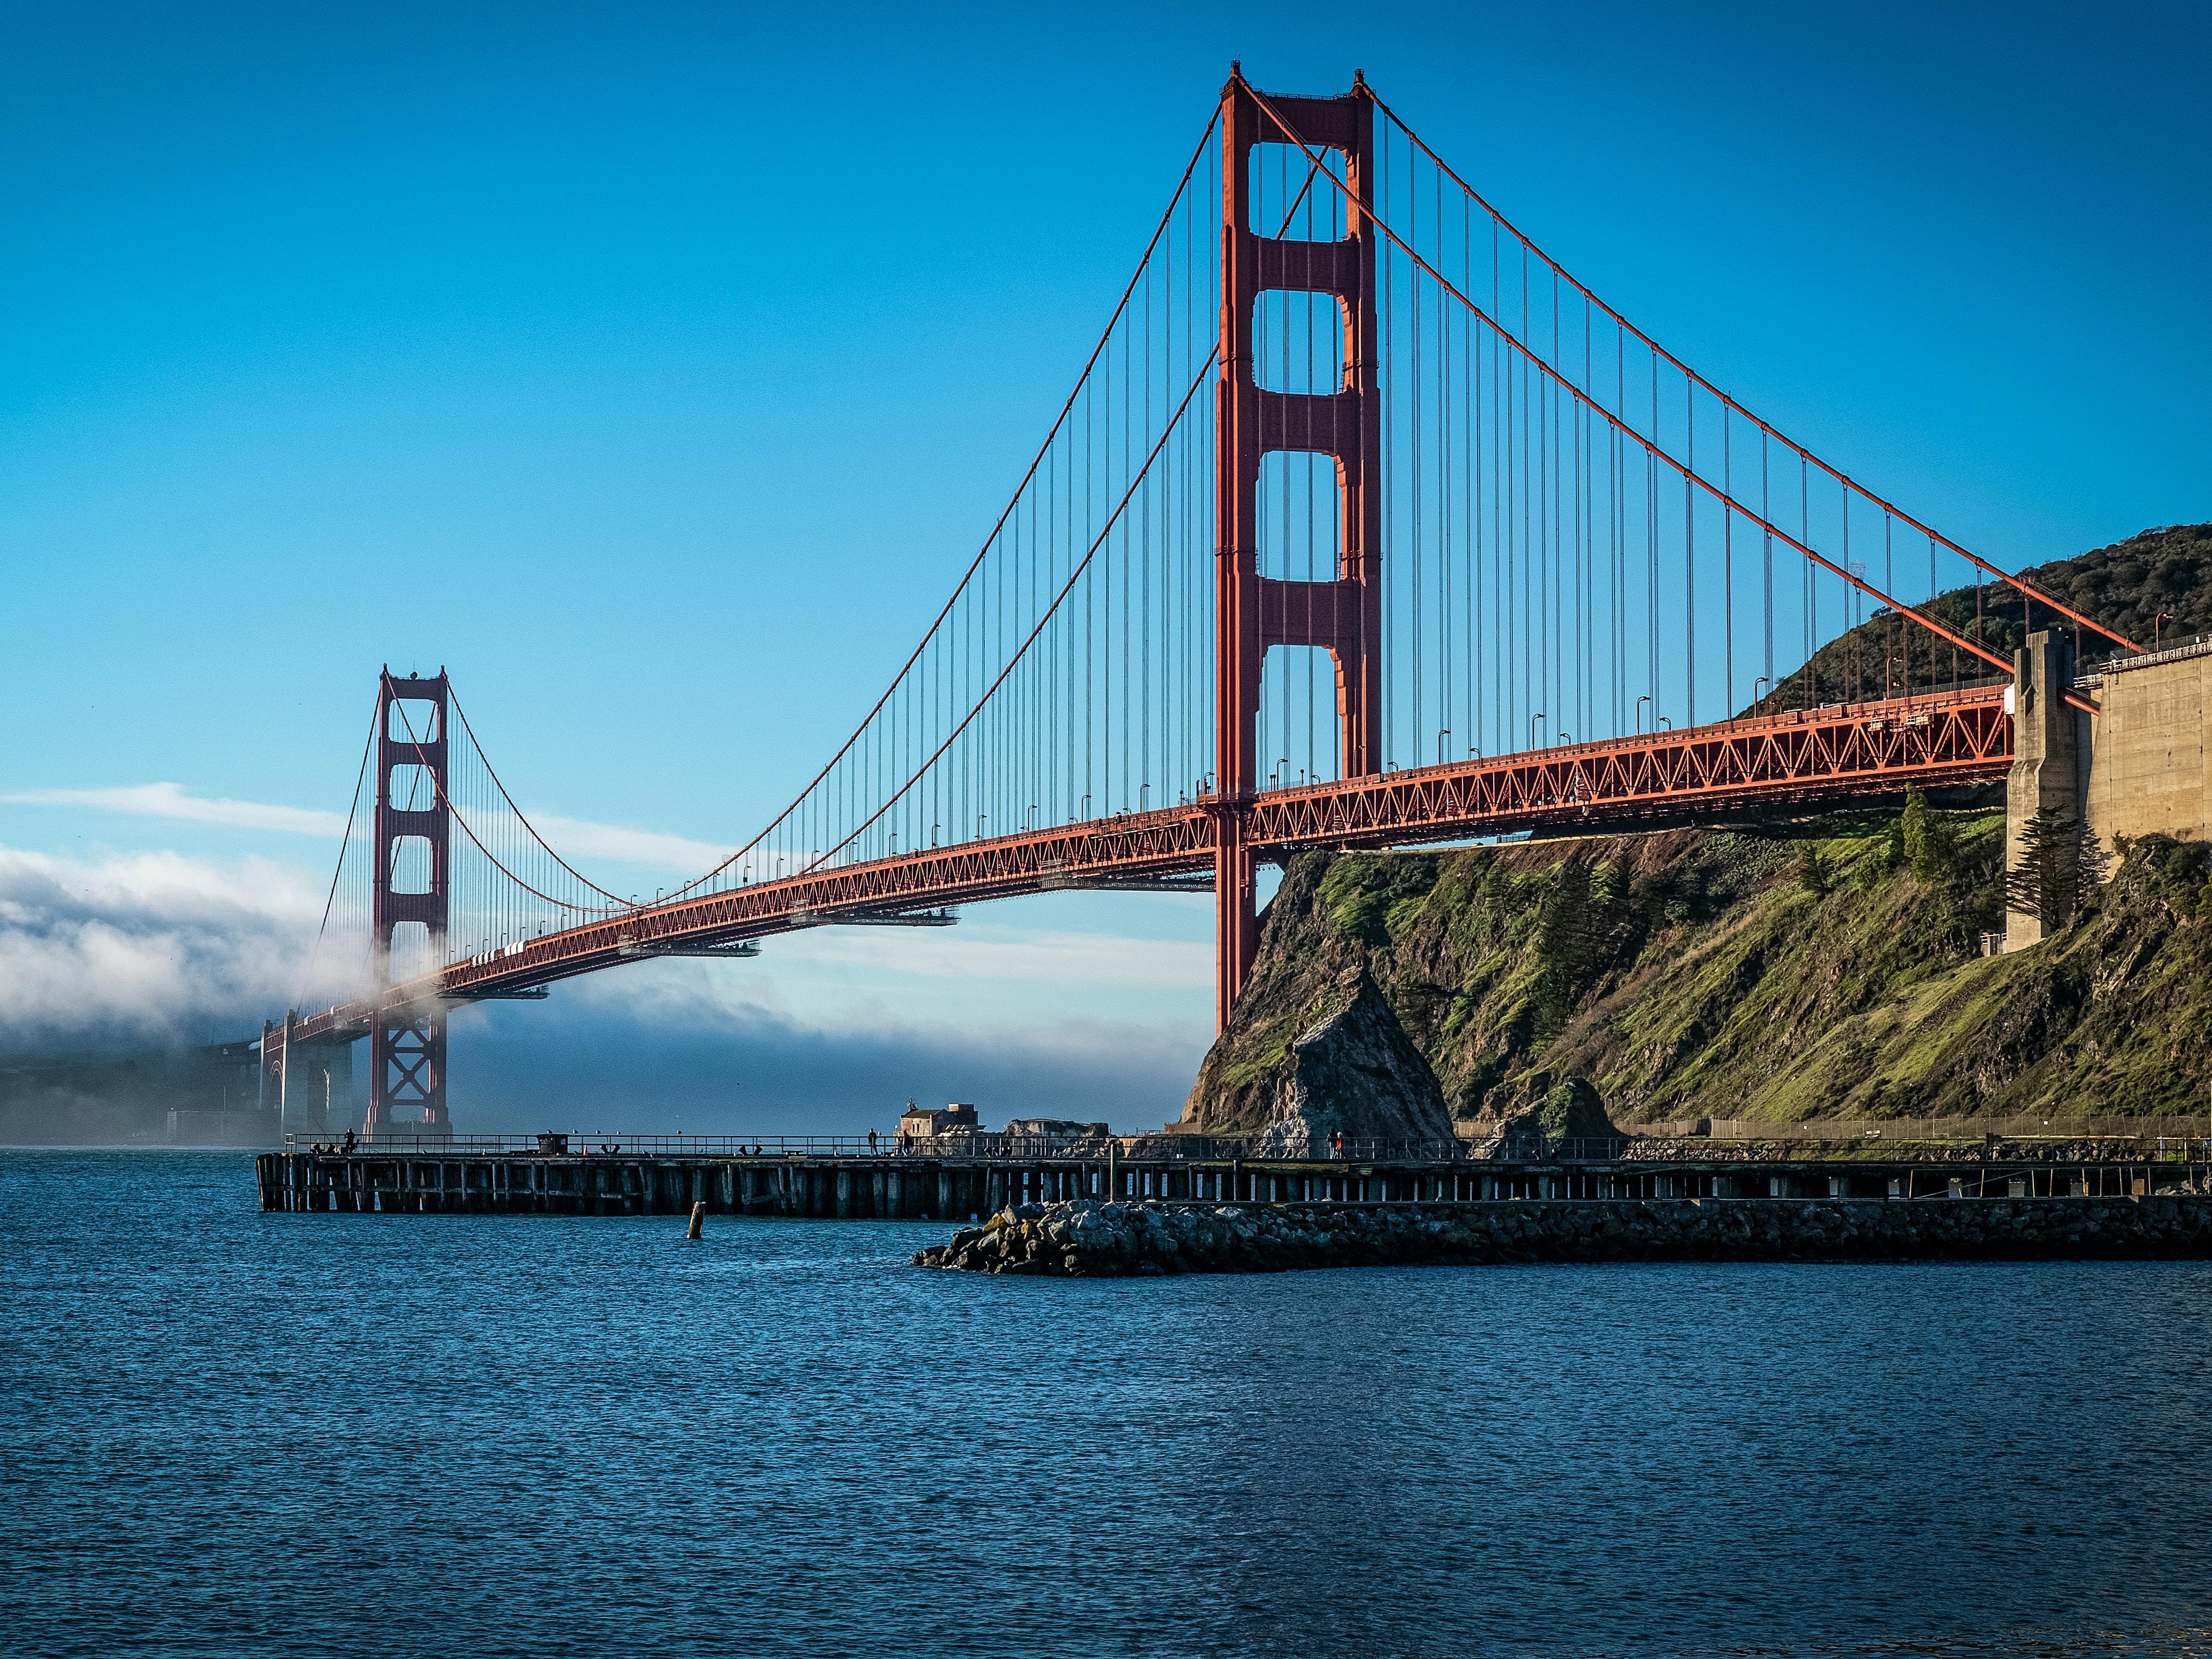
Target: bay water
x: 223, y: 1433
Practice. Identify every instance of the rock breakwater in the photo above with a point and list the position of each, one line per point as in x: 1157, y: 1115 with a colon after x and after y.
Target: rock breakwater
x: 1089, y: 1239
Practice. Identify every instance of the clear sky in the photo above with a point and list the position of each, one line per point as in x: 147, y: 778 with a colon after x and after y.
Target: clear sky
x: 655, y: 368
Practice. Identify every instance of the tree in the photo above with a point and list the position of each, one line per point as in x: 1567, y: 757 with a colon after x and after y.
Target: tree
x: 1565, y: 942
x: 1929, y: 847
x: 2059, y: 862
x: 1813, y: 873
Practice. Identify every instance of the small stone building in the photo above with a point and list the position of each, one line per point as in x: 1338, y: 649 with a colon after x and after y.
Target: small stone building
x: 926, y: 1123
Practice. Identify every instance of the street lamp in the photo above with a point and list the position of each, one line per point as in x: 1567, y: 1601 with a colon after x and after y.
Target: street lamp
x: 1441, y: 736
x: 1640, y: 702
x: 1533, y: 718
x: 2162, y: 617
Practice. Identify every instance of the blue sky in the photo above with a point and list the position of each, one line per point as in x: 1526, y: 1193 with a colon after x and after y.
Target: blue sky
x: 655, y: 368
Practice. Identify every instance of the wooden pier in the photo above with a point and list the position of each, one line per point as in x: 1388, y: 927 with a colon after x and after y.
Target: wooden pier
x: 894, y: 1185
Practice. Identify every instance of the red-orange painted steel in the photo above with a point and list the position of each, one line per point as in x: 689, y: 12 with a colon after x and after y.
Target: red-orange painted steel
x: 1254, y: 612
x: 1863, y: 751
x: 407, y: 1041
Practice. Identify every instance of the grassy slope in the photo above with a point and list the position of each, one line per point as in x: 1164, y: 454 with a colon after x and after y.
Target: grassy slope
x: 1693, y: 974
x: 1703, y: 977
x: 2126, y: 586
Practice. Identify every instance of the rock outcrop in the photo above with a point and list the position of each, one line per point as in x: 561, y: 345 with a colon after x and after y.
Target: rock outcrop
x: 1088, y: 1239
x: 1315, y: 1054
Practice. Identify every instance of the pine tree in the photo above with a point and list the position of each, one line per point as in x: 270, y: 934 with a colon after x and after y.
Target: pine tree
x: 1564, y: 942
x: 1929, y: 847
x: 2059, y: 862
x: 1813, y: 873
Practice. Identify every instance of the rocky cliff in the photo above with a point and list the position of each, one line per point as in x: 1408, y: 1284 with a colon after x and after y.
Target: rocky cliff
x: 1830, y: 968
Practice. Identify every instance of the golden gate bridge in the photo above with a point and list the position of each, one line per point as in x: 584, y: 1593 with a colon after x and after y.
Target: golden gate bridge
x: 1365, y: 524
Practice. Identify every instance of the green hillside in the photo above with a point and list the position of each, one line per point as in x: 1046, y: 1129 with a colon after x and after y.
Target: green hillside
x: 1826, y: 968
x: 2156, y: 585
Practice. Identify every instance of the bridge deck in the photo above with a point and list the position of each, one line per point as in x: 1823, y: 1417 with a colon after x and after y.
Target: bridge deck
x: 1778, y: 762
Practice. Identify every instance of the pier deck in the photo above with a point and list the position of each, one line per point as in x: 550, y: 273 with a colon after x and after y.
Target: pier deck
x: 893, y: 1185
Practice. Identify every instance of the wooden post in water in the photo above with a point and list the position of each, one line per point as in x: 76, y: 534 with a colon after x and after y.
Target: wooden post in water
x: 698, y: 1219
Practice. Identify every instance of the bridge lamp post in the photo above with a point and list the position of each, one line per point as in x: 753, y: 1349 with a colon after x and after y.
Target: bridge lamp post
x: 1640, y: 702
x: 1664, y: 721
x: 1533, y: 718
x: 1441, y: 736
x: 979, y: 818
x: 1755, y: 693
x: 2162, y: 617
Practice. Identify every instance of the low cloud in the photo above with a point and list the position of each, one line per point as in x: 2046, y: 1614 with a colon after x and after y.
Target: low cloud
x: 832, y: 1031
x: 149, y: 948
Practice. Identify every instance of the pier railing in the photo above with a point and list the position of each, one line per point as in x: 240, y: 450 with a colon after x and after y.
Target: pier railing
x: 2194, y: 1128
x: 2168, y: 1140
x: 1148, y: 1148
x: 571, y: 1143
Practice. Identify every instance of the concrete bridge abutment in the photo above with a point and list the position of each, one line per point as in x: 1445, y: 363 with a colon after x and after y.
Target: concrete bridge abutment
x: 2142, y: 766
x: 2151, y: 773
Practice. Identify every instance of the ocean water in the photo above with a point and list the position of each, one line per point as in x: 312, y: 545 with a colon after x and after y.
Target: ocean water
x: 222, y: 1433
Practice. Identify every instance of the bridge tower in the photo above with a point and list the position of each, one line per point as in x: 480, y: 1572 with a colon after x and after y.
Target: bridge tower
x: 412, y: 865
x: 1254, y: 612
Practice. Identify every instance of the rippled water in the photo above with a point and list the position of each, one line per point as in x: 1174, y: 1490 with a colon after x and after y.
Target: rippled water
x: 222, y: 1433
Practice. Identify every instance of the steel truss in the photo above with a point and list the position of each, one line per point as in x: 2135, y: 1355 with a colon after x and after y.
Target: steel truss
x: 1823, y: 757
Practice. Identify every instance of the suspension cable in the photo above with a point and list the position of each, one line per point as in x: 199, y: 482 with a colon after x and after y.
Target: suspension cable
x: 346, y: 840
x: 990, y: 540
x: 1650, y: 446
x: 519, y: 817
x: 1204, y: 369
x: 438, y: 787
x: 1780, y: 437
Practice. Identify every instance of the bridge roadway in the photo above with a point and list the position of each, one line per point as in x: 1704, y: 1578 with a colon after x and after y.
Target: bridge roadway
x: 1778, y: 762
